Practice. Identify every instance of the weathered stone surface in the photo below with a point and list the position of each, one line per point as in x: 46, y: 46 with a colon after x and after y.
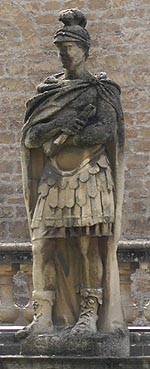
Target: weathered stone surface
x: 45, y: 362
x: 119, y: 33
x: 139, y: 341
x: 105, y: 345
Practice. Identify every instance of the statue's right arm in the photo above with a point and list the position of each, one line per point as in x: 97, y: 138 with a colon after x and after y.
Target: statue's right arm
x: 66, y: 121
x: 37, y: 135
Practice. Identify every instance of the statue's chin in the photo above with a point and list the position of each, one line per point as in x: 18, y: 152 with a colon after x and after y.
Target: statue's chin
x: 65, y: 63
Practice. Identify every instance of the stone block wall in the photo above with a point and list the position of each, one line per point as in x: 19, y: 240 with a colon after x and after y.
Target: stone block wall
x: 121, y: 47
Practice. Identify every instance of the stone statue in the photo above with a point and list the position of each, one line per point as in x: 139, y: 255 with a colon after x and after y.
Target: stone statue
x: 72, y: 164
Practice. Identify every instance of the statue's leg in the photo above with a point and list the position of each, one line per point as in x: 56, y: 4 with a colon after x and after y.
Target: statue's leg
x: 44, y: 288
x: 90, y: 289
x: 44, y: 274
x: 84, y: 243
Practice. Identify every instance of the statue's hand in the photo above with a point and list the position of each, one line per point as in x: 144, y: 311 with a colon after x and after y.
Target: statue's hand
x: 47, y: 147
x: 76, y: 126
x: 88, y: 112
x: 77, y: 123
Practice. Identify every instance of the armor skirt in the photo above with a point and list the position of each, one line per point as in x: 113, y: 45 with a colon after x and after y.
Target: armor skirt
x: 75, y: 203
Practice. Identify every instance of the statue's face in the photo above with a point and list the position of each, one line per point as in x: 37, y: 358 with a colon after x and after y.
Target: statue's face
x: 70, y: 54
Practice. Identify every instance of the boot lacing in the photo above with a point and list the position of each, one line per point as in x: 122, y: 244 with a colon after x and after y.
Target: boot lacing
x: 87, y: 310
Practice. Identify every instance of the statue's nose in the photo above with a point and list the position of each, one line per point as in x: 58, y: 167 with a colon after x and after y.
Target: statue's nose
x: 63, y: 52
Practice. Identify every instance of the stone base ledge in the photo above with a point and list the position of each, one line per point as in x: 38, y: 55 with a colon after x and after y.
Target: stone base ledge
x: 139, y: 243
x: 128, y: 251
x: 55, y: 362
x: 134, y: 244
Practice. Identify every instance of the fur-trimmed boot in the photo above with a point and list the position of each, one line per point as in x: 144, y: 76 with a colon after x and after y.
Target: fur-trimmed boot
x: 91, y: 298
x: 42, y: 322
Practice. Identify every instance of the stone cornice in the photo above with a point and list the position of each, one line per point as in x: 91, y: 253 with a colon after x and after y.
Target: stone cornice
x: 128, y: 251
x: 123, y: 244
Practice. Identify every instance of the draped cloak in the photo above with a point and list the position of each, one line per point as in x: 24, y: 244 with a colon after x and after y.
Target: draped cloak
x: 53, y: 96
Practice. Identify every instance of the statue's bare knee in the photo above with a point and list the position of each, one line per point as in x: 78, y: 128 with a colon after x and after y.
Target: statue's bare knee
x: 42, y: 249
x: 43, y: 264
x: 84, y: 243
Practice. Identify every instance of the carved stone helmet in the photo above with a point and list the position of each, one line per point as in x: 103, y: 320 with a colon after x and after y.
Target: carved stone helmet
x: 74, y: 28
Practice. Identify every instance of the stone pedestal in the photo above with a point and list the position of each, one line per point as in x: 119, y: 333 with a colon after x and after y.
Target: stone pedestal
x: 101, y: 345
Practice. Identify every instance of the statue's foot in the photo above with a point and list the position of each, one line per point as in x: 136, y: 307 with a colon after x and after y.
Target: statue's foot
x: 86, y: 324
x: 34, y: 328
